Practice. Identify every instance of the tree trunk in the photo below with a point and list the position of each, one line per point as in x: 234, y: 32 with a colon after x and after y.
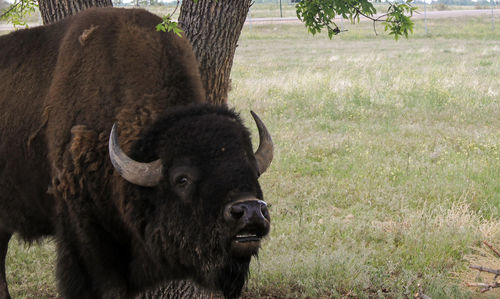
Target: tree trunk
x: 213, y: 27
x: 56, y: 10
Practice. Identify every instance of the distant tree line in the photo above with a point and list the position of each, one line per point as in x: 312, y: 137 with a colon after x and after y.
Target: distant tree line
x: 462, y: 2
x: 447, y: 2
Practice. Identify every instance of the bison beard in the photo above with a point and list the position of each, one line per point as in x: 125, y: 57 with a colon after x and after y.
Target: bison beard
x: 200, y: 217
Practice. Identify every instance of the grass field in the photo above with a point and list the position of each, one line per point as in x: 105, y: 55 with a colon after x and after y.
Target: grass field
x: 387, y: 166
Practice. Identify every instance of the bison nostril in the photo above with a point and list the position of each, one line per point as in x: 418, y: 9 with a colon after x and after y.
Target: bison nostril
x: 247, y: 212
x: 237, y: 212
x: 264, y: 211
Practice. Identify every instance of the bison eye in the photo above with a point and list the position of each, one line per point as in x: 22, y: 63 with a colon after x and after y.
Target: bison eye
x: 182, y: 181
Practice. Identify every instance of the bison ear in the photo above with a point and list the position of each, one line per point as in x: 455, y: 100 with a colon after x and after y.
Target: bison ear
x: 138, y: 173
x: 265, y: 152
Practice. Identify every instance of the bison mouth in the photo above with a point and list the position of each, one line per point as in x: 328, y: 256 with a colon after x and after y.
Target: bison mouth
x: 245, y: 244
x: 243, y: 238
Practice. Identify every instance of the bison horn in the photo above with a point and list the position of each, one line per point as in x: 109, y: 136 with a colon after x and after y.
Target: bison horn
x: 142, y: 174
x: 264, y: 154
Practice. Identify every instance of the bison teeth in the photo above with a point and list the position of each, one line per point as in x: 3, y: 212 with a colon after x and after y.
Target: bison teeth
x: 246, y: 236
x: 242, y: 238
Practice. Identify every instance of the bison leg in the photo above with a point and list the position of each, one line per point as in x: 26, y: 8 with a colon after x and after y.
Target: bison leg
x: 4, y: 244
x: 83, y: 274
x: 71, y: 276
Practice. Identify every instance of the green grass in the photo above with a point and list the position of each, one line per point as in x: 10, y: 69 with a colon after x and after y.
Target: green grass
x: 31, y: 270
x: 387, y: 169
x: 387, y: 166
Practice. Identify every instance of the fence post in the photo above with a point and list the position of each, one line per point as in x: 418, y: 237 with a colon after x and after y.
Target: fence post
x: 425, y: 16
x: 492, y: 16
x: 250, y: 16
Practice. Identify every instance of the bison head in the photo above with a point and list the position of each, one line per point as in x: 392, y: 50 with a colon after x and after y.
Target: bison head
x: 197, y: 208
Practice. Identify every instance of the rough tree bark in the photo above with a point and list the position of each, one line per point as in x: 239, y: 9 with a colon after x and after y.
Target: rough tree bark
x: 179, y: 289
x: 56, y: 10
x: 213, y: 27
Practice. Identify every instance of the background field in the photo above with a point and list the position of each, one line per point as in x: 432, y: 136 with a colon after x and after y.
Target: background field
x: 387, y: 172
x: 387, y: 167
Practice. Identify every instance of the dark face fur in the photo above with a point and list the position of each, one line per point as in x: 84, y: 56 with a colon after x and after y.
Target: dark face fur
x: 207, y: 215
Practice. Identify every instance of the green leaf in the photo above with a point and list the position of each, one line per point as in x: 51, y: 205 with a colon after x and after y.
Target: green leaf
x: 168, y: 25
x: 318, y: 14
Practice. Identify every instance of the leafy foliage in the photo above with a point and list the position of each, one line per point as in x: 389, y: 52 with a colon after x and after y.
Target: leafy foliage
x: 316, y: 14
x: 168, y: 25
x: 397, y: 22
x: 18, y: 12
x: 320, y: 14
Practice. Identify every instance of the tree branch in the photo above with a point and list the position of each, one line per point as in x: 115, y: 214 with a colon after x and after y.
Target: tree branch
x: 492, y: 248
x: 484, y: 269
x: 487, y: 286
x: 377, y: 19
x: 176, y: 6
x: 368, y: 16
x: 11, y: 8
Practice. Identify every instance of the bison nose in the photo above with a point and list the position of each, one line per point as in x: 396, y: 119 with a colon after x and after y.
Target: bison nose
x: 247, y: 212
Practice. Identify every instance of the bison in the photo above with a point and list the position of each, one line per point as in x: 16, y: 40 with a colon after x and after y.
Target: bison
x: 169, y: 192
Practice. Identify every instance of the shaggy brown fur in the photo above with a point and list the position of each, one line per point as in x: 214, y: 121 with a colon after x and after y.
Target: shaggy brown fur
x: 62, y: 87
